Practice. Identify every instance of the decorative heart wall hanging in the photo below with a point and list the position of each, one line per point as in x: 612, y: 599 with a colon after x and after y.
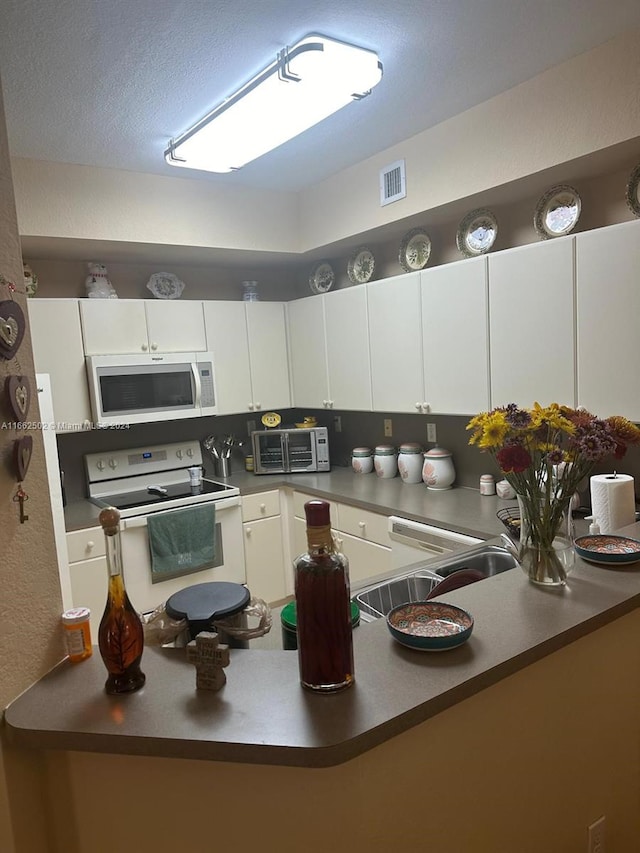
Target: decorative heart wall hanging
x: 12, y: 324
x: 22, y: 449
x: 18, y: 393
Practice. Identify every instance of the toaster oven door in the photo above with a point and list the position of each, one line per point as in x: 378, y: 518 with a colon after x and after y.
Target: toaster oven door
x: 301, y: 450
x: 269, y: 452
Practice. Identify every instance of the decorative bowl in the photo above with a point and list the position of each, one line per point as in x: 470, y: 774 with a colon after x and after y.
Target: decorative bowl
x: 430, y: 626
x: 510, y: 517
x: 606, y: 548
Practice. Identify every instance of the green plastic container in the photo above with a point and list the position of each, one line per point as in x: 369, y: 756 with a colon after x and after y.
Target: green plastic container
x: 288, y: 623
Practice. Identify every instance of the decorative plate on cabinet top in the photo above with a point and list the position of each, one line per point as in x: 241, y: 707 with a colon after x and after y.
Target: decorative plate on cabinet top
x: 165, y: 285
x: 557, y: 212
x: 361, y: 266
x: 322, y: 278
x: 633, y: 192
x: 477, y: 233
x: 415, y: 250
x: 271, y: 420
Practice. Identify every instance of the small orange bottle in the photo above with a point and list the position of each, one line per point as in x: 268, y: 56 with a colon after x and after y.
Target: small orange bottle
x: 77, y: 633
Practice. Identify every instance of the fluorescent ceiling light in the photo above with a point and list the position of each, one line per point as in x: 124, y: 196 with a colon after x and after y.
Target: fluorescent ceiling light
x: 305, y: 84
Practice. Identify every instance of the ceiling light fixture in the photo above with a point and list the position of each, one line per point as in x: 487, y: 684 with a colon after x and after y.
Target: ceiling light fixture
x: 304, y: 85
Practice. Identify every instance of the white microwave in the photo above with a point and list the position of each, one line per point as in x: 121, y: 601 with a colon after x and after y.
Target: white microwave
x: 135, y: 389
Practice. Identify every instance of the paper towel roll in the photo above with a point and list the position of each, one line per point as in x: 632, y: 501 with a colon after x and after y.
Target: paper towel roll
x: 613, y: 503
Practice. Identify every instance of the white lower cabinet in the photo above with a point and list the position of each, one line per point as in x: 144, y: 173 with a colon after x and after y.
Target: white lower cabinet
x: 88, y: 573
x: 361, y: 535
x: 263, y: 546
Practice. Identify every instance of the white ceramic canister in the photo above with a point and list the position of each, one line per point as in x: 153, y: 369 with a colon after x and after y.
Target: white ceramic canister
x: 487, y: 484
x: 362, y: 460
x: 438, y: 471
x: 385, y: 461
x: 505, y: 490
x: 410, y: 462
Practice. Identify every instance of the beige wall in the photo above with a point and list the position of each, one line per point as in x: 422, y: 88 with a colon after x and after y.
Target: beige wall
x: 584, y: 105
x: 521, y: 767
x: 30, y: 636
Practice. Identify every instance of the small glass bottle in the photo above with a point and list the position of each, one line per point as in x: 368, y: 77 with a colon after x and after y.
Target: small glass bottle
x: 323, y: 607
x: 77, y: 633
x: 120, y: 635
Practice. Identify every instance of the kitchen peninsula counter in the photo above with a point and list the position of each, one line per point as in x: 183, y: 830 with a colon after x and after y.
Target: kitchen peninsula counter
x: 263, y: 716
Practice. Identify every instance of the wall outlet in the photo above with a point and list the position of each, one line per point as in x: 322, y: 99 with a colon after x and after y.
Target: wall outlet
x: 251, y: 427
x: 337, y: 423
x: 431, y: 433
x: 388, y: 427
x: 596, y: 836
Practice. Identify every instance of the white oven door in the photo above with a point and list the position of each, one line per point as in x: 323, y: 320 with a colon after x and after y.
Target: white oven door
x: 136, y: 560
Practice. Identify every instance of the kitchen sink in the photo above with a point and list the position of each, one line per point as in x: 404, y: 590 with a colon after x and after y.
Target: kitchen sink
x: 378, y: 599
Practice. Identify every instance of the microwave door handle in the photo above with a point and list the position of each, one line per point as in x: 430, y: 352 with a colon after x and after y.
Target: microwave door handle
x: 197, y: 383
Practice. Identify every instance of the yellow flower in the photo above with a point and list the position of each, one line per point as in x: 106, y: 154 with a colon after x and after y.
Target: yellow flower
x: 551, y: 417
x: 494, y: 430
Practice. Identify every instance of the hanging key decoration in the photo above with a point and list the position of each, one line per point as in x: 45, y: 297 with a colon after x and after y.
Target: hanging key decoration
x: 18, y: 393
x: 20, y: 497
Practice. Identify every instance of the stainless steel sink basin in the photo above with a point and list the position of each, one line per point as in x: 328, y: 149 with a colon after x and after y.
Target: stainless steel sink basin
x: 377, y: 600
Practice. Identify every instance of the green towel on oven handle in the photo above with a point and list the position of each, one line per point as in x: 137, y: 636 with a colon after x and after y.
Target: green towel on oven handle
x: 181, y: 541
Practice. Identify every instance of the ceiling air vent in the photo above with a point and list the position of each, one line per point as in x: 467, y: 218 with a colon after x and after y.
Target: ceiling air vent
x: 393, y: 183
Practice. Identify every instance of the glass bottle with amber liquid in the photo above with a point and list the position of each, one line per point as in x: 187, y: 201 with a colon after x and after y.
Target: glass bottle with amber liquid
x: 120, y: 635
x: 323, y: 607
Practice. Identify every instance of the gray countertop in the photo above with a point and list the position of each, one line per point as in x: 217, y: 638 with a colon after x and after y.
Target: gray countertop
x: 460, y: 509
x: 263, y: 716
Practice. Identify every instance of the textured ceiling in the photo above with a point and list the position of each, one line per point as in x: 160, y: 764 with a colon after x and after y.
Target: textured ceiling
x: 109, y: 82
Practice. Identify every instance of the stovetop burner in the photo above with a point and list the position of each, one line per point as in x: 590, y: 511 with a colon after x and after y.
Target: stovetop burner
x: 149, y: 497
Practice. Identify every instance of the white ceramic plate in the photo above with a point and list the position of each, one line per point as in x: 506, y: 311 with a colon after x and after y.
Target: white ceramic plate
x: 165, y: 285
x: 557, y: 212
x: 633, y: 192
x: 322, y: 278
x: 361, y: 266
x: 415, y: 250
x: 477, y: 233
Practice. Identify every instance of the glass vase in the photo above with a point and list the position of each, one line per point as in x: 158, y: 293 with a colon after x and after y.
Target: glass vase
x: 546, y: 553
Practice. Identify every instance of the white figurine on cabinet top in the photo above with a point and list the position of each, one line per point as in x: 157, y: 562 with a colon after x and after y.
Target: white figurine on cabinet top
x: 97, y: 283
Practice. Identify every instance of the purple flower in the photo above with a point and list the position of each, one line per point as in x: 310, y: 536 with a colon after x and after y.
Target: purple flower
x: 517, y: 418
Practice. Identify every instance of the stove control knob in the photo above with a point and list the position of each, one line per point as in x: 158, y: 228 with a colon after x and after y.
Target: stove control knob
x: 100, y: 465
x: 189, y: 452
x: 113, y: 463
x: 179, y: 454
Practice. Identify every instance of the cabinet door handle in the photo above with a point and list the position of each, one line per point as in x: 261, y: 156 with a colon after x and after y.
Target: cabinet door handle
x: 418, y: 406
x: 144, y: 347
x: 258, y: 405
x: 247, y: 530
x: 154, y: 346
x: 426, y: 407
x: 91, y: 545
x: 250, y: 407
x: 262, y: 507
x: 362, y: 525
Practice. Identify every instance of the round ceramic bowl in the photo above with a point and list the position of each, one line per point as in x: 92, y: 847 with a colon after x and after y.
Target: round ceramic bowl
x: 607, y: 548
x: 430, y: 626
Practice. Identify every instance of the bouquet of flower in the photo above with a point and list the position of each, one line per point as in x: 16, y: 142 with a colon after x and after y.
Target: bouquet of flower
x: 544, y: 452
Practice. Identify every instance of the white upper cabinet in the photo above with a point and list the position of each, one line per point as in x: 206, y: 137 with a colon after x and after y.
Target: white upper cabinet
x: 249, y: 346
x: 455, y: 337
x: 395, y: 341
x: 308, y: 348
x: 531, y: 310
x: 608, y: 308
x: 347, y: 341
x: 56, y: 339
x: 119, y: 326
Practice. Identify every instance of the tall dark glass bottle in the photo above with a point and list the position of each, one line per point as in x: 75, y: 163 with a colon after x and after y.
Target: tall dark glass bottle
x: 323, y: 607
x: 120, y: 635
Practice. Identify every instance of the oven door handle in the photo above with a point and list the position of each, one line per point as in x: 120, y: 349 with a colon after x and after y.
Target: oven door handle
x: 141, y: 520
